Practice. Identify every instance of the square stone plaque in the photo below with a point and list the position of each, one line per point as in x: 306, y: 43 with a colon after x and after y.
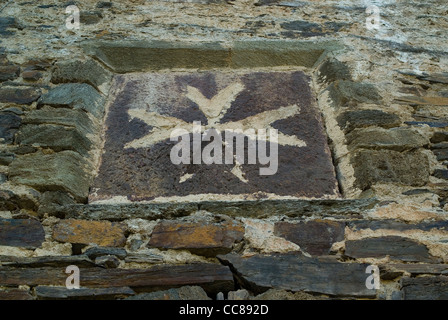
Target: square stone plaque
x: 193, y: 136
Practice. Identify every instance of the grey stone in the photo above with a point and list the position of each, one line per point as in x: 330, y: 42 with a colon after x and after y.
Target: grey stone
x: 332, y: 70
x: 9, y: 72
x: 276, y: 294
x: 6, y: 158
x: 441, y: 154
x: 342, y: 92
x: 431, y: 124
x: 303, y: 26
x: 366, y: 118
x: 62, y: 293
x: 425, y: 288
x: 441, y: 174
x: 90, y: 72
x: 397, y: 225
x: 90, y: 17
x: 299, y: 273
x: 439, y: 137
x: 398, y: 248
x: 182, y: 293
x: 9, y: 124
x: 63, y: 171
x: 241, y: 294
x: 398, y: 139
x: 58, y: 138
x: 440, y: 145
x: 107, y: 262
x: 7, y: 24
x: 64, y: 117
x: 96, y: 252
x: 53, y: 202
x: 75, y: 96
x: 19, y: 95
x: 144, y: 257
x: 375, y: 166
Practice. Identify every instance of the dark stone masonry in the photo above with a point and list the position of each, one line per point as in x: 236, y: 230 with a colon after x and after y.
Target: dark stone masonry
x: 350, y: 184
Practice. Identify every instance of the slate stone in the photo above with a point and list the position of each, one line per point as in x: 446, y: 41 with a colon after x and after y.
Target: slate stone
x: 431, y: 124
x: 398, y: 139
x: 367, y: 118
x: 296, y: 273
x: 81, y: 261
x: 441, y: 154
x: 378, y: 166
x: 300, y: 25
x: 64, y: 117
x: 9, y: 72
x: 32, y: 75
x: 107, y: 262
x: 343, y: 91
x: 441, y: 145
x: 27, y: 233
x: 90, y: 72
x: 441, y: 174
x: 315, y: 237
x: 439, y: 137
x: 425, y: 288
x: 19, y: 95
x: 213, y: 278
x: 62, y: 171
x: 389, y: 224
x: 54, y: 202
x: 57, y: 138
x: 198, y: 237
x: 15, y: 294
x: 96, y: 252
x: 7, y: 24
x: 414, y: 269
x: 397, y: 248
x: 90, y: 17
x: 75, y: 96
x: 102, y: 233
x: 414, y: 100
x: 62, y: 293
x: 144, y: 257
x: 182, y: 293
x: 332, y: 70
x: 9, y: 124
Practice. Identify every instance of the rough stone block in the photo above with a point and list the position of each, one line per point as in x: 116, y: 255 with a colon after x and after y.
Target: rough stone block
x: 199, y: 237
x: 366, y: 118
x: 19, y: 95
x: 9, y: 124
x: 299, y: 273
x: 9, y: 72
x: 397, y: 248
x: 441, y: 154
x: 63, y: 171
x: 441, y: 174
x: 332, y: 70
x: 398, y: 139
x: 90, y: 72
x: 343, y: 92
x: 182, y: 293
x: 385, y: 166
x: 425, y: 288
x: 102, y: 233
x: 58, y: 138
x: 439, y: 137
x: 15, y: 294
x: 62, y: 293
x: 27, y: 233
x: 314, y: 237
x: 75, y: 96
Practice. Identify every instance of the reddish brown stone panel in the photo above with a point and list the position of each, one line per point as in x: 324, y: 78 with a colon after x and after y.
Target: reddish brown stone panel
x: 27, y: 233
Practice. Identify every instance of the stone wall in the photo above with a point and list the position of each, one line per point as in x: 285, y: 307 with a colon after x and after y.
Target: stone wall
x: 382, y: 96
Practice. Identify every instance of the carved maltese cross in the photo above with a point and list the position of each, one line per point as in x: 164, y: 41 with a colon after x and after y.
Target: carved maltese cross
x: 214, y: 109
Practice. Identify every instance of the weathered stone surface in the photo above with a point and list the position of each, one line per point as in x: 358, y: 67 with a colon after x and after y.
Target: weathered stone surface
x: 332, y: 70
x: 64, y: 117
x: 366, y: 118
x: 144, y: 257
x: 138, y: 147
x: 182, y: 293
x: 299, y: 273
x: 374, y: 166
x: 390, y: 224
x: 59, y: 293
x: 315, y: 237
x: 9, y: 72
x: 75, y: 96
x: 90, y: 72
x: 96, y: 252
x: 441, y: 174
x: 19, y: 95
x: 441, y: 145
x: 276, y: 294
x: 32, y: 75
x: 81, y: 261
x: 61, y: 171
x: 213, y: 278
x: 102, y: 233
x: 7, y: 24
x: 90, y: 17
x: 439, y: 137
x: 441, y: 154
x: 199, y: 237
x: 9, y: 124
x: 343, y: 92
x: 398, y: 139
x: 26, y: 233
x: 58, y: 138
x: 398, y: 248
x: 391, y: 271
x: 303, y: 26
x: 54, y: 202
x: 425, y: 288
x: 15, y: 294
x: 434, y: 101
x: 107, y: 262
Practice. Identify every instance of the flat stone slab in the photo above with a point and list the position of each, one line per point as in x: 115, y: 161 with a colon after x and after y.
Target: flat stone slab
x: 155, y: 123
